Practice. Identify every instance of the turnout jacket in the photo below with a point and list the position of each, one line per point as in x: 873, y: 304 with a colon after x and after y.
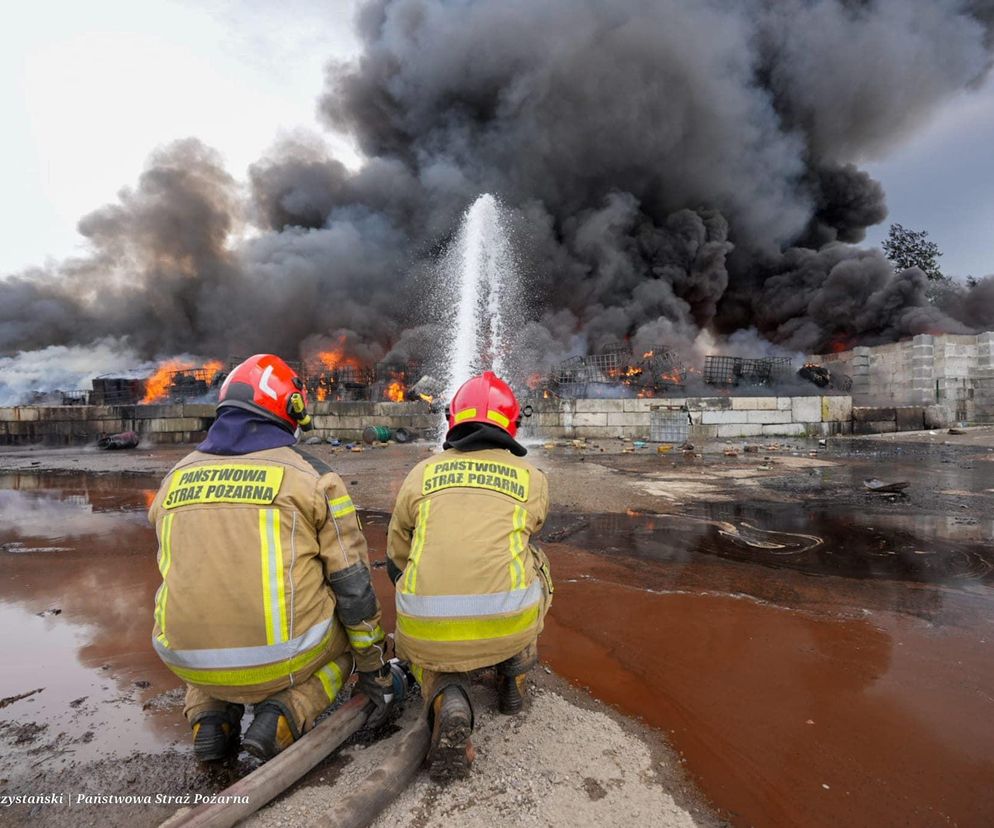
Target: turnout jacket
x: 471, y: 590
x: 265, y: 573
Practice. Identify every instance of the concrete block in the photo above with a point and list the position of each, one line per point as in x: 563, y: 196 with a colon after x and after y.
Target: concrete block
x: 783, y: 403
x: 805, y: 409
x: 836, y: 409
x: 767, y: 417
x: 588, y: 419
x: 703, y: 432
x: 709, y: 403
x: 864, y: 414
x: 874, y: 426
x: 599, y: 406
x: 910, y: 418
x: 754, y: 403
x: 630, y: 420
x: 709, y: 417
x: 740, y: 430
x: 784, y: 430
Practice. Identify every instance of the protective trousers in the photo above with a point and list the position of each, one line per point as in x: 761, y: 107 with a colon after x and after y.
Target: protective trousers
x: 434, y: 682
x: 305, y: 701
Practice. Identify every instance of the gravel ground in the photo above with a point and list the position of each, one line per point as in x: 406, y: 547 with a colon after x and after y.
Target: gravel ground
x: 558, y: 763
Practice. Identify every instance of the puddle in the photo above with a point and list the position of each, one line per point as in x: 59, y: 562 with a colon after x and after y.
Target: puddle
x: 813, y: 667
x: 919, y: 547
x: 77, y: 580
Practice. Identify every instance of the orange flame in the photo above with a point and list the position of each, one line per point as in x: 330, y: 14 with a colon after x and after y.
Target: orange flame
x: 157, y: 386
x: 336, y: 358
x: 321, y: 393
x: 149, y: 495
x: 395, y: 392
x: 211, y: 368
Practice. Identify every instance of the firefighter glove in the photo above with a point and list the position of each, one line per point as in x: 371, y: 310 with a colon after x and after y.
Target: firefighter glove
x: 379, y: 690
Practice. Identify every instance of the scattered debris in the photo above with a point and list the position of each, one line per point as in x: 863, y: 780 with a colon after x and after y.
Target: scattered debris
x: 49, y: 612
x: 121, y: 440
x: 729, y: 452
x: 956, y: 431
x: 751, y: 449
x: 879, y: 487
x: 11, y: 699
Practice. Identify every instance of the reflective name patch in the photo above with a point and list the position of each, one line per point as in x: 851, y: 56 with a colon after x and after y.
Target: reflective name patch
x: 232, y: 483
x: 476, y: 474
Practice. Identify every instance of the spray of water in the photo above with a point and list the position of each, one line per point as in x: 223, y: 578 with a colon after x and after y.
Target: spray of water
x: 480, y: 264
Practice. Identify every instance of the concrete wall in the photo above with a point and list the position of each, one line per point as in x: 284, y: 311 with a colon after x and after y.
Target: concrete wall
x: 710, y: 417
x: 956, y: 371
x: 76, y: 424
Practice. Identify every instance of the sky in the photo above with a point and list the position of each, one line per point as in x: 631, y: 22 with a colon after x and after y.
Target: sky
x: 90, y: 89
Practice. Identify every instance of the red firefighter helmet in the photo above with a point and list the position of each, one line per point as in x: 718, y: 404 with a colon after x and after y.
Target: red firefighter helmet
x: 265, y: 384
x: 485, y: 399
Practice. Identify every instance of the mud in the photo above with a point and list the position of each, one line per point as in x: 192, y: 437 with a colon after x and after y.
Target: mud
x: 817, y: 654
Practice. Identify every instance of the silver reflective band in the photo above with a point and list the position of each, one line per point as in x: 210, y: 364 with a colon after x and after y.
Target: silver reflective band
x: 454, y: 606
x: 244, y: 656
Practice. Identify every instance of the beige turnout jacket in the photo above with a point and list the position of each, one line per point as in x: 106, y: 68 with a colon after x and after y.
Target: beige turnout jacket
x: 472, y: 590
x: 265, y: 574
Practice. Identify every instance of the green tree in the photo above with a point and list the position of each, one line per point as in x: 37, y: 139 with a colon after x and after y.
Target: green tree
x: 911, y: 248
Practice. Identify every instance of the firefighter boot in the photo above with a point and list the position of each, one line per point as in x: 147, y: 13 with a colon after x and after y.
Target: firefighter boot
x: 272, y: 730
x: 510, y: 694
x: 451, y: 752
x: 215, y: 733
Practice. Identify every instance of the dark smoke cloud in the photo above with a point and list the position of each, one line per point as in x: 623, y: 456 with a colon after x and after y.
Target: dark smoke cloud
x: 668, y: 168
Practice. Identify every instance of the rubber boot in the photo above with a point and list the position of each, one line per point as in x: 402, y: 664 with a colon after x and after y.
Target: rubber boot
x: 272, y: 731
x: 215, y: 733
x: 451, y: 752
x: 510, y: 694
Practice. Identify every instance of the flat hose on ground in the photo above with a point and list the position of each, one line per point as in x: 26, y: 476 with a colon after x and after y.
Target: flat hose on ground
x: 276, y: 775
x: 382, y: 786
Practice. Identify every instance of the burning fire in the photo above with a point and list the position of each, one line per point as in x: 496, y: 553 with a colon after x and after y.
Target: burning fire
x: 210, y: 370
x: 157, y: 386
x: 395, y: 391
x: 428, y: 398
x: 336, y: 357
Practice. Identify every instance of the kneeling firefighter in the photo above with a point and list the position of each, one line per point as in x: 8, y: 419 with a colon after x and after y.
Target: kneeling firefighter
x: 471, y: 589
x: 266, y: 596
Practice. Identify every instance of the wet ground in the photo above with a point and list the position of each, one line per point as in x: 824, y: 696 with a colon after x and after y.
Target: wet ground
x: 822, y: 659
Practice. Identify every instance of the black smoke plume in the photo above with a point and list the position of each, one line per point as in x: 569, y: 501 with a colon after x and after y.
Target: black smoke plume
x: 670, y: 168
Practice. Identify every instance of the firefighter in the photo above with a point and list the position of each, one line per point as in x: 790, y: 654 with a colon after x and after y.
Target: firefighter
x: 471, y: 589
x: 266, y: 596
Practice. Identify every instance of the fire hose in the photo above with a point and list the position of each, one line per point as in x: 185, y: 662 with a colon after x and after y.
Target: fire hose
x: 249, y: 794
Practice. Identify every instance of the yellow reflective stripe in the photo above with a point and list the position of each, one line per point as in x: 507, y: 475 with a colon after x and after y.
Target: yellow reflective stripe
x: 341, y: 506
x: 417, y: 547
x: 330, y: 677
x: 165, y: 545
x: 517, y: 545
x: 160, y: 612
x: 165, y: 562
x: 242, y: 676
x: 273, y: 591
x: 361, y: 639
x: 419, y: 672
x: 465, y: 414
x: 498, y: 418
x: 466, y: 629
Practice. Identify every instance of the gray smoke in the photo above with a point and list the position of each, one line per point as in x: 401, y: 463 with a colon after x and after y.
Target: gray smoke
x: 669, y: 168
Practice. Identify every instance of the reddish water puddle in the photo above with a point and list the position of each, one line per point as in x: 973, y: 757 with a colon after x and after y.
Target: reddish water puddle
x: 795, y: 698
x: 849, y: 682
x: 77, y: 579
